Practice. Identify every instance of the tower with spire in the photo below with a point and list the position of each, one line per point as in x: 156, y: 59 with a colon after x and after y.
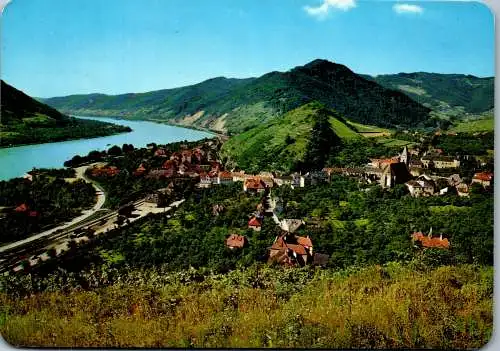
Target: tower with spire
x: 404, y: 158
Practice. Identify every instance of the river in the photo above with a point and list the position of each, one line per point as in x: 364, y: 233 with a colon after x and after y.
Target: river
x: 16, y: 161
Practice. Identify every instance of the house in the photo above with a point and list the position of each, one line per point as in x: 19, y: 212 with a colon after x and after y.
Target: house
x: 381, y: 163
x: 266, y: 175
x: 420, y: 187
x: 291, y: 250
x: 186, y: 156
x: 268, y: 181
x: 283, y: 180
x: 22, y: 208
x: 104, y: 171
x: 238, y: 176
x: 255, y: 224
x: 439, y: 161
x: 140, y: 170
x: 291, y: 225
x: 205, y: 179
x: 298, y: 181
x: 254, y: 185
x: 160, y: 173
x: 235, y: 241
x: 462, y: 189
x: 161, y: 153
x: 483, y: 178
x: 316, y: 177
x: 427, y: 241
x: 169, y: 164
x: 224, y: 178
x: 454, y: 180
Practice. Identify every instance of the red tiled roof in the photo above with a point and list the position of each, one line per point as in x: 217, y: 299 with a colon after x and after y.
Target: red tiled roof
x: 304, y: 241
x: 225, y: 174
x: 431, y: 242
x: 254, y: 222
x: 484, y: 176
x: 299, y: 249
x: 236, y: 241
x: 254, y: 183
x: 160, y: 152
x: 21, y: 208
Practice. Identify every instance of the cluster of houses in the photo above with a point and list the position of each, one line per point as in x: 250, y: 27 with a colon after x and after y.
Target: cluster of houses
x: 288, y: 249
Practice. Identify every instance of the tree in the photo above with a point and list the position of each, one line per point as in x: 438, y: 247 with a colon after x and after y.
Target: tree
x: 322, y: 143
x: 115, y: 151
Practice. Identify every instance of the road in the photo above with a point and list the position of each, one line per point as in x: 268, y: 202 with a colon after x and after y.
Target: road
x: 101, y: 198
x: 12, y: 259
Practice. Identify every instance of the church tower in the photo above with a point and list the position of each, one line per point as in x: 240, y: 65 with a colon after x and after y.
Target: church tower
x: 404, y: 158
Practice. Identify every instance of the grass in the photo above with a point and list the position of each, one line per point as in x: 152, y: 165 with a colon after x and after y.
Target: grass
x: 448, y: 209
x: 391, y: 307
x: 480, y: 125
x: 365, y: 128
x: 391, y: 142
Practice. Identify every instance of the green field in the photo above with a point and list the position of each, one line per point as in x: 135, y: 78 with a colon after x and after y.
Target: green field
x: 480, y: 125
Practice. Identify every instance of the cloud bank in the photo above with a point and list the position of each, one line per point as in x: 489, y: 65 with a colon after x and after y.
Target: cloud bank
x: 407, y: 8
x: 322, y: 10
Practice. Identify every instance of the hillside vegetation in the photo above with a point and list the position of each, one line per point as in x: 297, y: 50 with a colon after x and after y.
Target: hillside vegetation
x: 450, y: 93
x: 282, y: 143
x: 375, y: 307
x: 285, y: 143
x: 237, y: 105
x: 27, y: 121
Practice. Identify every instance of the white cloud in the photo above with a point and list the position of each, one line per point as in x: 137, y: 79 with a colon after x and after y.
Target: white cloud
x: 407, y: 8
x: 3, y: 3
x: 322, y: 10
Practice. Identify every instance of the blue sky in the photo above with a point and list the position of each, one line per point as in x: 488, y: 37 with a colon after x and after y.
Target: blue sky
x: 62, y: 47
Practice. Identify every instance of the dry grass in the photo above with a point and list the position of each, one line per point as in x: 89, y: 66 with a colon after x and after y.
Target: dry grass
x: 394, y: 307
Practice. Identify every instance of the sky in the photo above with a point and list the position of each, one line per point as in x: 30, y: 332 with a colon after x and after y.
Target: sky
x: 62, y: 47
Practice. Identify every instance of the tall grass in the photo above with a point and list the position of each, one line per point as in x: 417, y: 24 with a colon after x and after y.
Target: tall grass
x: 391, y: 307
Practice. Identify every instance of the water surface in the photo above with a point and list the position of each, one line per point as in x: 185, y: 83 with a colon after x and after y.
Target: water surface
x: 16, y: 161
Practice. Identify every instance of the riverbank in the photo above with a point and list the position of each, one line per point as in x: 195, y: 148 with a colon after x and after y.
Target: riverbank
x: 168, y: 123
x: 22, y: 135
x: 18, y: 160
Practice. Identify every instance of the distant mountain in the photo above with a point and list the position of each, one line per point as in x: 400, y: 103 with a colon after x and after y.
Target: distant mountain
x: 448, y: 93
x: 237, y: 105
x: 24, y: 120
x: 282, y: 143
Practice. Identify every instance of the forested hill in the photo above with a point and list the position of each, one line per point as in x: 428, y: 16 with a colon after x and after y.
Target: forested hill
x: 234, y: 106
x: 16, y: 105
x: 27, y: 121
x: 443, y: 92
x: 300, y: 139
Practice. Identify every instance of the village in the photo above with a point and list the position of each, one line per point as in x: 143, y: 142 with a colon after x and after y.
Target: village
x: 420, y: 172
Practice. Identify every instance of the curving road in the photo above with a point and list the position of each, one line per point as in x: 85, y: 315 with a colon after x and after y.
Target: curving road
x: 101, y: 198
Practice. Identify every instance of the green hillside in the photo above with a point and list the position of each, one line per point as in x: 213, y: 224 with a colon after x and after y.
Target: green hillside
x: 454, y: 94
x: 234, y: 105
x: 27, y: 121
x: 484, y: 122
x: 282, y: 143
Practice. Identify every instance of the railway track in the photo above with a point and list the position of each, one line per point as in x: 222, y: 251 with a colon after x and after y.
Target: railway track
x: 11, y: 258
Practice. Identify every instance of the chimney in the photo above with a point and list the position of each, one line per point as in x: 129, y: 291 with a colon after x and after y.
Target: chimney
x: 441, y: 237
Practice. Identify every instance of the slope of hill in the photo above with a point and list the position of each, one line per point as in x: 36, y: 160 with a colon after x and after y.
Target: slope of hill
x: 455, y: 94
x: 282, y: 143
x: 26, y: 121
x: 234, y: 106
